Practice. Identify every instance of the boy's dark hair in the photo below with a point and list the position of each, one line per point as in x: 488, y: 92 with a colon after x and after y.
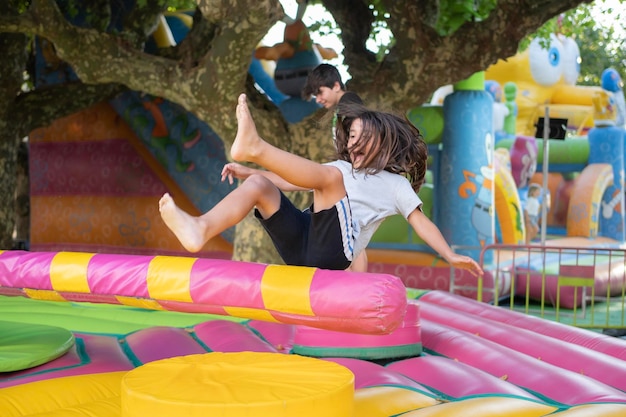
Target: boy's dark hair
x: 324, y: 75
x: 397, y: 145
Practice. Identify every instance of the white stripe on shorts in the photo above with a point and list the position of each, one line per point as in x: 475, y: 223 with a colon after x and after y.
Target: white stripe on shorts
x: 347, y: 228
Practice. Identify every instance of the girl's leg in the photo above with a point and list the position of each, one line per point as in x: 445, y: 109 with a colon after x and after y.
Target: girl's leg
x: 325, y: 181
x: 194, y: 232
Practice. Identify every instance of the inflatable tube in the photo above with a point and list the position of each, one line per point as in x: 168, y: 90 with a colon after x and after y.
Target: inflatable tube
x: 336, y: 300
x: 603, y: 368
x: 388, y: 401
x: 595, y: 341
x: 403, y: 342
x: 569, y: 155
x: 550, y: 382
x: 370, y: 374
x: 486, y: 407
x: 233, y: 337
x: 455, y: 379
x: 156, y: 343
x: 594, y: 410
x: 585, y: 202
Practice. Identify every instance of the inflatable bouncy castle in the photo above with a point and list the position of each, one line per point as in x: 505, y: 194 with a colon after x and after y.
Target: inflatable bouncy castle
x: 546, y: 77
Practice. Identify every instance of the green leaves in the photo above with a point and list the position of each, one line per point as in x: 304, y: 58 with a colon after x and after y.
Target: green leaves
x: 454, y: 13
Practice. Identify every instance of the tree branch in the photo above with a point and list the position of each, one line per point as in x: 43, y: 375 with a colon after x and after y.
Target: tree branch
x: 60, y: 101
x: 421, y: 55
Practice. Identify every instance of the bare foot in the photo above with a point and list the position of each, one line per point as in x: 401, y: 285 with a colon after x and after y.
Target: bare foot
x: 247, y: 142
x: 187, y: 229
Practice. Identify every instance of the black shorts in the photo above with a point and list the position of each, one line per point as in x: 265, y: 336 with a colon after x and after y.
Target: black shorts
x: 323, y: 240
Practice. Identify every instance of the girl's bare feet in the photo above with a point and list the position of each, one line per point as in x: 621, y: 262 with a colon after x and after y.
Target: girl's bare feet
x: 248, y: 143
x: 188, y: 229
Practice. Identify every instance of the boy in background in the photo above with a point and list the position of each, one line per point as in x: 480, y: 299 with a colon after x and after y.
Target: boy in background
x: 324, y: 83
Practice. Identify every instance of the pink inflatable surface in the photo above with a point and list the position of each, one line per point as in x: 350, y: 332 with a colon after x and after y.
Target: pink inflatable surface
x: 464, y: 353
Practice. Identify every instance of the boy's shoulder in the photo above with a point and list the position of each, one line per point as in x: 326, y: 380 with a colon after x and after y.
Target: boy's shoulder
x: 350, y: 97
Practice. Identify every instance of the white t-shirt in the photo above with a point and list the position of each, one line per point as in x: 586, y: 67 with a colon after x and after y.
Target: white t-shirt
x: 373, y: 198
x: 532, y: 206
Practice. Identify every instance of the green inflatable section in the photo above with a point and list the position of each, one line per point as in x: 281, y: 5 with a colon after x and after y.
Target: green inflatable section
x: 475, y: 82
x: 96, y: 318
x: 24, y: 346
x: 429, y: 120
x: 573, y: 150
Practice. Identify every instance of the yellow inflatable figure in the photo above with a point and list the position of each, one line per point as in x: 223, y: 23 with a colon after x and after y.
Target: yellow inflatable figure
x: 546, y: 77
x: 605, y: 112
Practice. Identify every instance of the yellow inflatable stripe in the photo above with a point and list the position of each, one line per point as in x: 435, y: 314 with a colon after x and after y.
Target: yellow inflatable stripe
x: 250, y: 313
x: 388, y: 401
x: 168, y: 278
x: 139, y: 302
x: 486, y: 407
x: 44, y: 295
x: 594, y: 410
x: 286, y: 288
x: 68, y: 272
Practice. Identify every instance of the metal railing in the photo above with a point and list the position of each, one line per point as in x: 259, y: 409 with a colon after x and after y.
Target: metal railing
x: 581, y: 286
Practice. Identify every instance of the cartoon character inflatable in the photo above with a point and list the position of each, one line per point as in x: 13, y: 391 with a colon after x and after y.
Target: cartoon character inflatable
x: 612, y: 82
x: 545, y: 76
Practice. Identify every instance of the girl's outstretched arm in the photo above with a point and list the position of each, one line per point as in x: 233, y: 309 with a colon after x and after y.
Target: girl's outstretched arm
x: 234, y: 170
x: 431, y: 234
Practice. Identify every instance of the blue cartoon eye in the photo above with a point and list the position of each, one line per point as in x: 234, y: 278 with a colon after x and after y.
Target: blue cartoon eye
x: 554, y: 56
x: 546, y: 61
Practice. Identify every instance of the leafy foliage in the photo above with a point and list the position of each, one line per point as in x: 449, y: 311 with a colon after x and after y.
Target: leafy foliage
x: 454, y: 13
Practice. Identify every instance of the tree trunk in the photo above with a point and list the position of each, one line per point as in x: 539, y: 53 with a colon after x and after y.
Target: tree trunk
x: 13, y: 52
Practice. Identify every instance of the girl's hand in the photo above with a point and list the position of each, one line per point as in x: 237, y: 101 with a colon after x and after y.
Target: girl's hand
x: 234, y: 170
x: 467, y: 263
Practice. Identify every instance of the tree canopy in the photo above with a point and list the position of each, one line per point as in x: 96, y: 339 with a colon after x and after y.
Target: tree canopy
x: 434, y: 43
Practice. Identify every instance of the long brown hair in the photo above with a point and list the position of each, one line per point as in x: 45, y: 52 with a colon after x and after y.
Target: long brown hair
x: 397, y: 145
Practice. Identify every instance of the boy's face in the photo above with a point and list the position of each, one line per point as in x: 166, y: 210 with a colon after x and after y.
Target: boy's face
x: 329, y: 97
